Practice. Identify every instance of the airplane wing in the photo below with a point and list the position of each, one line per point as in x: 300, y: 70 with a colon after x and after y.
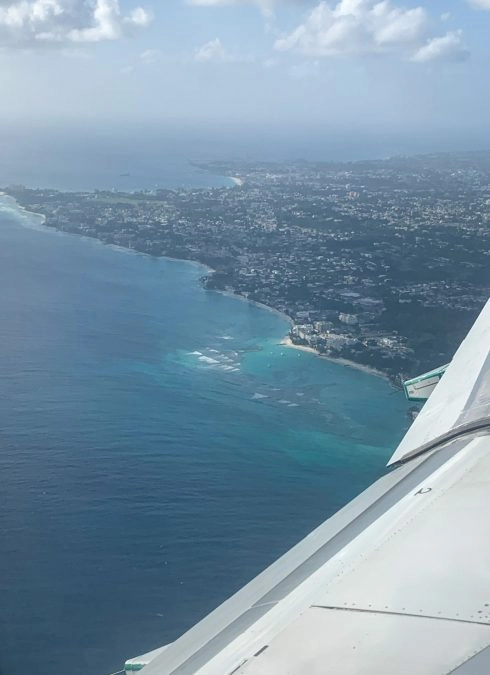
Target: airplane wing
x: 396, y: 583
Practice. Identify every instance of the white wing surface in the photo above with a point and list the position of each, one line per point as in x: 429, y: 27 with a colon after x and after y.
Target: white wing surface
x: 397, y: 582
x: 462, y: 401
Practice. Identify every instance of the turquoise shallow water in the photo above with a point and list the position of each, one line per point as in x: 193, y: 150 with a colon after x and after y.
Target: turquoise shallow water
x: 158, y: 447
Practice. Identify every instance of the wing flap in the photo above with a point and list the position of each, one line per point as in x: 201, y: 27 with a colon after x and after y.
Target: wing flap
x: 346, y: 642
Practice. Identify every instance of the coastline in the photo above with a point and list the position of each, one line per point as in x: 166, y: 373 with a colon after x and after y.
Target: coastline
x: 238, y: 296
x: 194, y: 263
x: 116, y: 247
x: 287, y: 342
x: 22, y: 209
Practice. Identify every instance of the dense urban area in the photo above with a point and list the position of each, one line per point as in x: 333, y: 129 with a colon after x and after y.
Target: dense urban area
x: 385, y: 263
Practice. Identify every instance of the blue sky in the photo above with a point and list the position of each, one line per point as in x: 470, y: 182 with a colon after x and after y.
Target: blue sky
x: 280, y: 65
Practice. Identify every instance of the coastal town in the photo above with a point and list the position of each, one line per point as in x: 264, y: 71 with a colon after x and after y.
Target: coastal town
x: 383, y: 263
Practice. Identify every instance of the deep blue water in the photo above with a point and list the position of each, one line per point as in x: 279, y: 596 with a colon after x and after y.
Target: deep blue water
x: 158, y: 448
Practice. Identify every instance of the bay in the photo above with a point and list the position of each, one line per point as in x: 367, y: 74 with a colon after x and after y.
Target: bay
x: 158, y: 447
x: 76, y: 162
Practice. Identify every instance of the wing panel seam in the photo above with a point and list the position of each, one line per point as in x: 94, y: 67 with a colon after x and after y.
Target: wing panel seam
x: 362, y: 610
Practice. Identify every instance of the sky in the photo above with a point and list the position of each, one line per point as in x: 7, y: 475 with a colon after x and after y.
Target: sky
x: 238, y: 67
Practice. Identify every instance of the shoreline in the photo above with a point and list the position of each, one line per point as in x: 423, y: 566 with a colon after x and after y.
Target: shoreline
x: 287, y: 342
x: 238, y: 296
x: 23, y: 210
x: 194, y: 263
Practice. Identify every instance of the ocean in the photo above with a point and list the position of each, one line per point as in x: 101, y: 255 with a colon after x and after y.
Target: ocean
x: 158, y: 447
x: 71, y: 161
x: 135, y: 157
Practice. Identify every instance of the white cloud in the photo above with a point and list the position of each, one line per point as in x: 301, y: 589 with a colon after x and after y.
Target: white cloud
x: 361, y: 27
x: 212, y: 52
x: 211, y: 3
x: 480, y: 4
x: 271, y: 63
x: 216, y: 3
x: 37, y: 22
x: 356, y: 27
x: 266, y: 6
x: 446, y: 48
x: 150, y: 56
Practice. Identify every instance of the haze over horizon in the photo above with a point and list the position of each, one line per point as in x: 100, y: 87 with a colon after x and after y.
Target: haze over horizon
x: 297, y: 71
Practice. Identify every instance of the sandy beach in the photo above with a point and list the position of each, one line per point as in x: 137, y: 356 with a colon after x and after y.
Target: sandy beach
x: 287, y: 342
